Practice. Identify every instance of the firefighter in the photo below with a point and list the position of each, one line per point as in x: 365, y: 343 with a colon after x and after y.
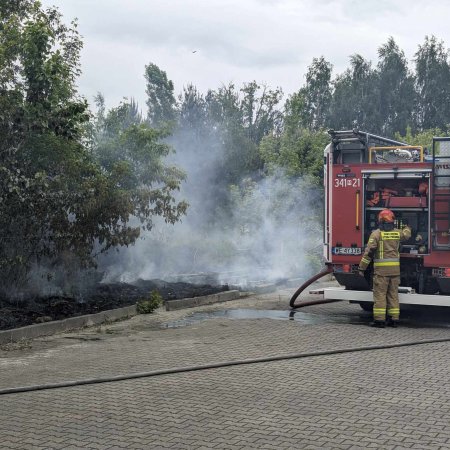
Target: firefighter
x: 383, y: 248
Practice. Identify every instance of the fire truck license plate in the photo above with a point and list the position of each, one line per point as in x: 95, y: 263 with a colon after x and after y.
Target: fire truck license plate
x: 347, y: 251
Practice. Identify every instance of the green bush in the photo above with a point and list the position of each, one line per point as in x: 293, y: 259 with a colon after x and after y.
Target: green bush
x: 148, y: 305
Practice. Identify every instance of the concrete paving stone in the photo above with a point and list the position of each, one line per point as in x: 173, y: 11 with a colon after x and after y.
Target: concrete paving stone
x: 441, y: 439
x: 155, y: 444
x: 342, y: 446
x: 143, y: 446
x: 339, y: 401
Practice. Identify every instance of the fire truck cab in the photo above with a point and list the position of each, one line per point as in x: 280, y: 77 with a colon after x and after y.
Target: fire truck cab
x: 365, y: 173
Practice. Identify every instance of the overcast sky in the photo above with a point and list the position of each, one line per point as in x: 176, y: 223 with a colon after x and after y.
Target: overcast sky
x: 271, y: 41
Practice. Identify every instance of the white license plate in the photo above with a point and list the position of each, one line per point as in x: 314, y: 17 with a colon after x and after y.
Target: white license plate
x: 347, y: 251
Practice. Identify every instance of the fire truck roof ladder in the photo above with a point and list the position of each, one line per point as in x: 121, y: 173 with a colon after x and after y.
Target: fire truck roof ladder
x: 440, y: 195
x: 362, y: 136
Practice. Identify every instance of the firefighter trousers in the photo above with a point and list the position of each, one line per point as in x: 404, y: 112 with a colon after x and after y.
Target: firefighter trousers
x: 385, y: 297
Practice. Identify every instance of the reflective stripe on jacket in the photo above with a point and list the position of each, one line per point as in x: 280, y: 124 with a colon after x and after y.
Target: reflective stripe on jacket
x: 383, y: 248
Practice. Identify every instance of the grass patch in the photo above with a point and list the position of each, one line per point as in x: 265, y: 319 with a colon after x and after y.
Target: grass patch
x: 148, y: 305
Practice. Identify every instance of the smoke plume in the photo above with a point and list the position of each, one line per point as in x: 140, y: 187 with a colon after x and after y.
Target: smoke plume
x: 268, y: 230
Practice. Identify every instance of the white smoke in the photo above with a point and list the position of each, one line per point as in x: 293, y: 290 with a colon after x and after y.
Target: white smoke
x: 273, y: 229
x: 269, y: 230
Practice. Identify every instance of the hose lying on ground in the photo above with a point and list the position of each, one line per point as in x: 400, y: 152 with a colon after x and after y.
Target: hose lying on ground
x: 155, y: 373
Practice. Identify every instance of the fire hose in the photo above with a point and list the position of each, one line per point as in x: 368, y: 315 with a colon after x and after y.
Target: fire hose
x: 155, y: 373
x: 304, y: 286
x: 176, y: 370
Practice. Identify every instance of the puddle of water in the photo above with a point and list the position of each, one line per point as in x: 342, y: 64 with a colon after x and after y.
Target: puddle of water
x: 297, y: 316
x: 410, y: 318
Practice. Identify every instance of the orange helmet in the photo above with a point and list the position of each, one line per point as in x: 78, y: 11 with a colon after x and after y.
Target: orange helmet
x: 386, y: 216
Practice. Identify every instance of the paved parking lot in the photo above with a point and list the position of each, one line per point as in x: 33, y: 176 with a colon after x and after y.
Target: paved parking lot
x: 390, y: 398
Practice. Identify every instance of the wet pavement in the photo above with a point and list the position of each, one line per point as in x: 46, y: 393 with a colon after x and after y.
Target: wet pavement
x: 391, y: 398
x: 412, y: 317
x: 241, y: 314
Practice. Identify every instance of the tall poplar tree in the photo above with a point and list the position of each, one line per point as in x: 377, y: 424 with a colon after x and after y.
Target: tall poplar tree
x: 433, y: 84
x: 396, y: 88
x: 317, y: 94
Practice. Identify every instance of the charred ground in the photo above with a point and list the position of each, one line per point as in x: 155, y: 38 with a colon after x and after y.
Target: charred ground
x: 29, y: 309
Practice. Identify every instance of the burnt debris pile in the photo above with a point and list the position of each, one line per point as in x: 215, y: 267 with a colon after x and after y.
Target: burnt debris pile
x: 28, y: 309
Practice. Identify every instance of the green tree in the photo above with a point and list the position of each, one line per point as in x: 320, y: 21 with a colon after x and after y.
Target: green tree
x: 15, y: 7
x: 355, y: 102
x: 433, y: 84
x: 317, y: 94
x: 260, y: 115
x: 193, y: 111
x: 299, y: 154
x: 131, y: 156
x: 298, y: 150
x: 40, y: 134
x: 423, y: 138
x: 239, y: 156
x: 59, y: 196
x: 242, y: 121
x: 161, y: 101
x: 396, y: 88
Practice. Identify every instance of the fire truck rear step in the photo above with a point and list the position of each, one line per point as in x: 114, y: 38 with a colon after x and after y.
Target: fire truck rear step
x: 406, y: 295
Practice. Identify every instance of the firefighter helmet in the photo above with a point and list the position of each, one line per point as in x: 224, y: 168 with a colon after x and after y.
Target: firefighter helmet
x: 386, y: 216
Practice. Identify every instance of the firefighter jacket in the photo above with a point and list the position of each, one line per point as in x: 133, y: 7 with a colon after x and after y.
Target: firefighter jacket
x: 383, y: 248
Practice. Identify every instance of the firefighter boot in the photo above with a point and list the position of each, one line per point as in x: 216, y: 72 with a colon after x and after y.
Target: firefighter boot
x: 392, y: 323
x: 378, y: 324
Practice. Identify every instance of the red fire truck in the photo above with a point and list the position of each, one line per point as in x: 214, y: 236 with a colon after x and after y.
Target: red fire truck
x: 365, y: 173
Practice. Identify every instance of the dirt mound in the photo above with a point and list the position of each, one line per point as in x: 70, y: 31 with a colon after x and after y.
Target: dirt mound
x: 27, y: 311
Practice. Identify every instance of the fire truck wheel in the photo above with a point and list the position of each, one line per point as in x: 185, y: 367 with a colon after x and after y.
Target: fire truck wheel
x: 366, y: 306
